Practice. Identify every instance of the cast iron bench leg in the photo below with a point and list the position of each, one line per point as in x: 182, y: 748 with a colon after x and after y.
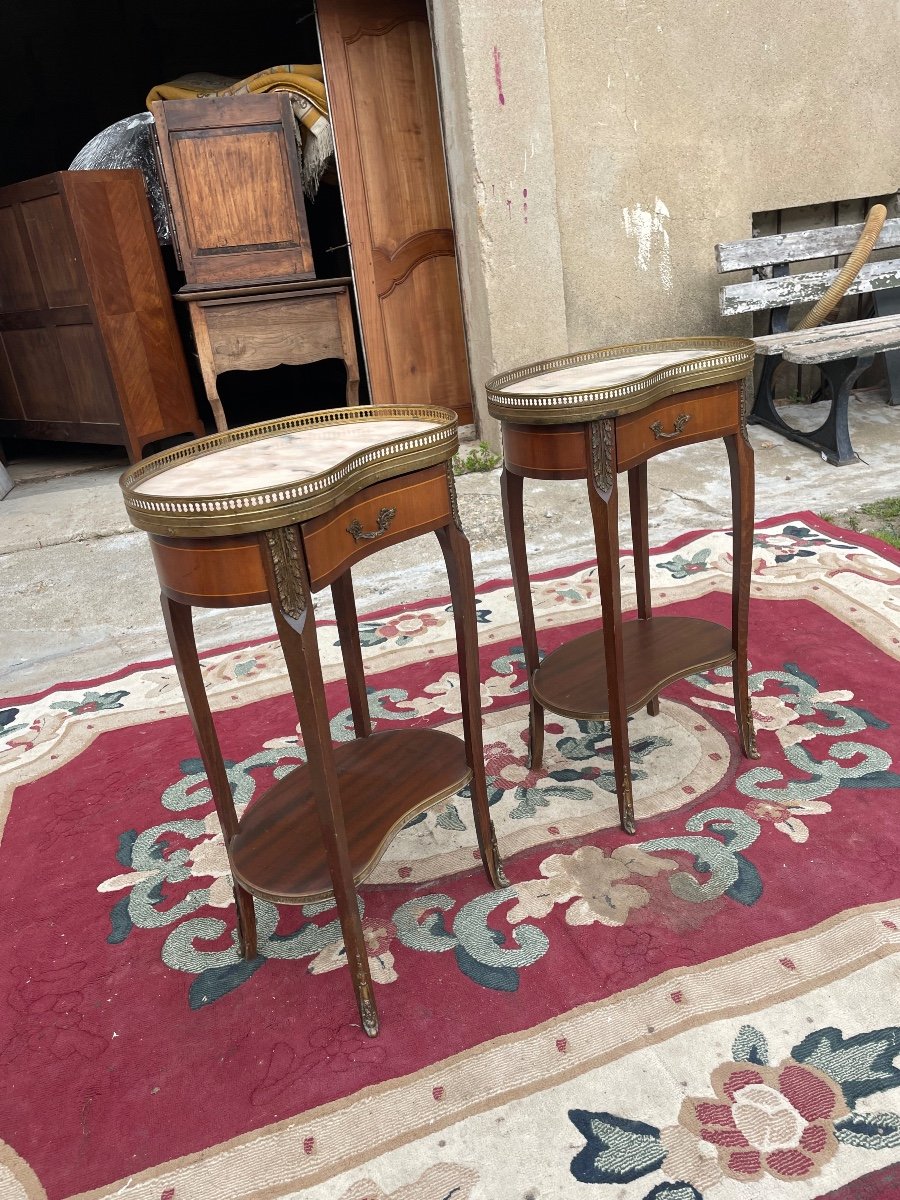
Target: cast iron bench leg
x: 833, y: 435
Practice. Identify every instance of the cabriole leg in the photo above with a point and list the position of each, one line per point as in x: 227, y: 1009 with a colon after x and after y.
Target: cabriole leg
x: 180, y: 629
x: 348, y: 632
x: 640, y: 541
x: 605, y: 515
x: 511, y: 495
x: 292, y: 606
x: 455, y: 547
x: 740, y: 461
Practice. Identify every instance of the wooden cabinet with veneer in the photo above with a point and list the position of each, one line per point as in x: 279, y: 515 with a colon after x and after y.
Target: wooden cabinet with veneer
x: 89, y: 348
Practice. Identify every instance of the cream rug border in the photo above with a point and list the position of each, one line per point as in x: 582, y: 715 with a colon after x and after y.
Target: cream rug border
x: 272, y: 1161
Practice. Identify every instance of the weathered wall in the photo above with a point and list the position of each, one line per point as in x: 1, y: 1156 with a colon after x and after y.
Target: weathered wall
x: 644, y: 133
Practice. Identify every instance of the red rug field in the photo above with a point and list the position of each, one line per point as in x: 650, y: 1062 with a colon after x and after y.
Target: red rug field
x: 708, y: 1010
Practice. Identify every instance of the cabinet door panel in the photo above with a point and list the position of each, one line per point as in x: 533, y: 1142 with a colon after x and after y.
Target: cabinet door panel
x: 40, y: 373
x: 19, y: 291
x: 55, y: 254
x: 383, y: 102
x: 233, y: 180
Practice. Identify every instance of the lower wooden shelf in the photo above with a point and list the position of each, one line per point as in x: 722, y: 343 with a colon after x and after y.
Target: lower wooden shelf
x: 571, y: 680
x: 277, y: 853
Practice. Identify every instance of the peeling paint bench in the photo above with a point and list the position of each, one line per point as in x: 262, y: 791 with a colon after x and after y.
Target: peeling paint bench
x: 841, y: 351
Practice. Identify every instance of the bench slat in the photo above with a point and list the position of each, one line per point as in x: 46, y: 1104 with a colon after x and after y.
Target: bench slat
x: 800, y: 246
x: 761, y: 294
x: 829, y: 343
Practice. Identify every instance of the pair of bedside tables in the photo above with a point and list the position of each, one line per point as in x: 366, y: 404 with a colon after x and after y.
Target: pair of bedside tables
x: 273, y: 513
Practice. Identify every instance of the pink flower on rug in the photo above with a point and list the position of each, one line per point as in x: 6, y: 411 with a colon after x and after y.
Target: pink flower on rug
x: 444, y: 695
x: 785, y: 816
x: 570, y: 591
x: 209, y: 858
x: 509, y: 770
x: 409, y: 625
x: 771, y: 713
x: 776, y: 1121
x: 689, y: 1159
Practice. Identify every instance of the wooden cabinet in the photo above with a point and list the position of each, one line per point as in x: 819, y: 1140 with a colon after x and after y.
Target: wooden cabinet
x: 89, y: 349
x: 231, y: 173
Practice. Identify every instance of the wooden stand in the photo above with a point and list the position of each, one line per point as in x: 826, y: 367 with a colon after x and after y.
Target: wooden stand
x: 322, y: 829
x: 608, y: 674
x: 254, y: 328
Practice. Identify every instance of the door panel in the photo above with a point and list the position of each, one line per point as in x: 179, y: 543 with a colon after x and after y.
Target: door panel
x: 382, y: 97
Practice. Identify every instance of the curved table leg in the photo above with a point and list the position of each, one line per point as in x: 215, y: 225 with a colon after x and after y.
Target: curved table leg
x: 180, y: 629
x: 740, y: 461
x: 207, y: 360
x: 640, y: 541
x: 455, y: 547
x: 605, y: 515
x: 348, y: 632
x: 511, y: 495
x: 292, y: 606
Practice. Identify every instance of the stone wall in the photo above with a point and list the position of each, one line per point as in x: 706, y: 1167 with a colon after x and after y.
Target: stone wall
x: 598, y: 149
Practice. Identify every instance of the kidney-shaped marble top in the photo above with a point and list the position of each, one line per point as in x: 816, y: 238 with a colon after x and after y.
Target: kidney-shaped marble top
x: 273, y: 462
x: 270, y: 474
x: 603, y: 383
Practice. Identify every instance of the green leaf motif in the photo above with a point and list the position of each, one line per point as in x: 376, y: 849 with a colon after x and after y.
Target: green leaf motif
x: 862, y: 1065
x: 871, y: 1131
x: 748, y: 887
x: 120, y: 921
x: 674, y: 1191
x: 483, y: 944
x: 420, y: 923
x: 751, y: 1046
x: 617, y: 1150
x: 498, y: 979
x: 126, y: 847
x: 216, y: 982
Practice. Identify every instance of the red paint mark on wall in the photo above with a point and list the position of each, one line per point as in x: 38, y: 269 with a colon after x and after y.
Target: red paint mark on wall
x: 497, y: 76
x: 525, y: 204
x: 509, y: 208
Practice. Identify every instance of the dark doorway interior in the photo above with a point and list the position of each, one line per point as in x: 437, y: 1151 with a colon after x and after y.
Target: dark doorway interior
x: 71, y: 70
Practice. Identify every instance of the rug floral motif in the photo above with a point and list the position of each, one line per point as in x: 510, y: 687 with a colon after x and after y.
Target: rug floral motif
x: 751, y: 887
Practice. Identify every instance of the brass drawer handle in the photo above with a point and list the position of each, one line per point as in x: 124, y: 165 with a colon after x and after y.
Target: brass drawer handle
x: 680, y: 421
x: 385, y: 516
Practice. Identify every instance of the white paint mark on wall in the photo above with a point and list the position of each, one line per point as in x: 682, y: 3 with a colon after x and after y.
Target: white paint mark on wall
x: 648, y: 230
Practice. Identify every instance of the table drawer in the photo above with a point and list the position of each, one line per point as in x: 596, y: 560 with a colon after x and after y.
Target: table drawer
x: 378, y: 516
x: 677, y: 421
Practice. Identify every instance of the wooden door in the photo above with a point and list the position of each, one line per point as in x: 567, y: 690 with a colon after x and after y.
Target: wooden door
x: 382, y: 96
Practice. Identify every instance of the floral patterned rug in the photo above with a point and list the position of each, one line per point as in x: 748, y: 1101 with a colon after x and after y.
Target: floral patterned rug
x: 709, y: 1005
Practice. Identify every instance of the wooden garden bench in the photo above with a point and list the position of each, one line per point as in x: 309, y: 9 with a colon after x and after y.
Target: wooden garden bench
x: 841, y: 351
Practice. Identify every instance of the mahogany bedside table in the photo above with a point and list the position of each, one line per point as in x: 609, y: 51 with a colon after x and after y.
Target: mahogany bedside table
x: 269, y: 514
x: 589, y: 416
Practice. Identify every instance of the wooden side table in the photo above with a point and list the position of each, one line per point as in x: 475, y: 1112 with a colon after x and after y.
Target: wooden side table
x: 254, y: 327
x: 271, y: 514
x: 589, y: 416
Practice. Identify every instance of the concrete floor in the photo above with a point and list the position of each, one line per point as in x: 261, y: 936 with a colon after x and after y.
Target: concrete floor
x: 80, y: 596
